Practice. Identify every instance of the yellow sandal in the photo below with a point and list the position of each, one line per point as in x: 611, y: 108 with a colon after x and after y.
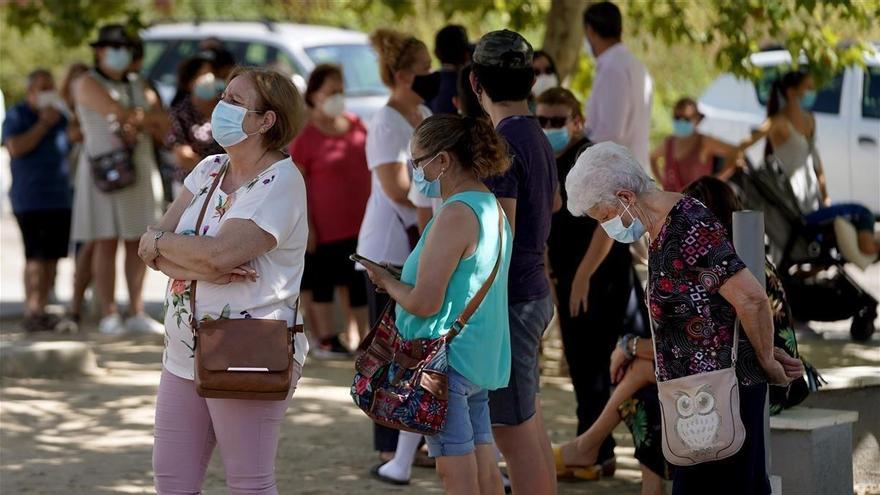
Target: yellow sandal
x: 584, y: 473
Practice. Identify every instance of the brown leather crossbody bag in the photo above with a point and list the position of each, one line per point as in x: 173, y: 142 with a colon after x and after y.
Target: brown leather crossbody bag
x: 241, y: 358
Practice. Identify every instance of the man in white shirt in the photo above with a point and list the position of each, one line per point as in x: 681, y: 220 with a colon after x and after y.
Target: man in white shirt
x: 619, y: 108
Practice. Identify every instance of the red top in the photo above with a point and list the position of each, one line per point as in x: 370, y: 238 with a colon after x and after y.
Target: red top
x: 337, y: 179
x: 679, y: 173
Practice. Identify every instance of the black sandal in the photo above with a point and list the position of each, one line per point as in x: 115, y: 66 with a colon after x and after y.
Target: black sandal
x: 386, y: 479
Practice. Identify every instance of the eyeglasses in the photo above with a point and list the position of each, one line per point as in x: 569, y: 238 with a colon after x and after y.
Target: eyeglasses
x: 552, y: 122
x: 414, y: 162
x: 548, y: 71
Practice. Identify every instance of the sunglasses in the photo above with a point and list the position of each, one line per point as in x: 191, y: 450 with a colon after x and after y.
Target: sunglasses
x: 113, y: 45
x: 547, y: 71
x: 552, y: 122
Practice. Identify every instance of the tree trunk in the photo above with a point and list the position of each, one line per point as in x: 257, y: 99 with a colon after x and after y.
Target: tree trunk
x: 564, y: 34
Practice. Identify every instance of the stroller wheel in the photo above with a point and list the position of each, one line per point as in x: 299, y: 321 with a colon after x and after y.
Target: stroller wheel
x: 862, y: 327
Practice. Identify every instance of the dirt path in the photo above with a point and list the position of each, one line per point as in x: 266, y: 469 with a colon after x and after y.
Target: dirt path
x: 93, y: 434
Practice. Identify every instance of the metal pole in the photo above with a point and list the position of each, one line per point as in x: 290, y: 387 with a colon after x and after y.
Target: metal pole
x: 748, y: 239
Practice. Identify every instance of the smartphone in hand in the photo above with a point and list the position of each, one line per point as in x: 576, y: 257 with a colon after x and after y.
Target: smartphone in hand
x: 364, y: 261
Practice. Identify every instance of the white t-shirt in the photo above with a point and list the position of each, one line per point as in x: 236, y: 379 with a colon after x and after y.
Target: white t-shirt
x: 276, y: 201
x: 619, y: 108
x: 383, y: 231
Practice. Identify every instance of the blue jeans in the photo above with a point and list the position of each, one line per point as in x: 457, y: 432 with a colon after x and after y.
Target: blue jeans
x: 855, y: 214
x: 467, y: 419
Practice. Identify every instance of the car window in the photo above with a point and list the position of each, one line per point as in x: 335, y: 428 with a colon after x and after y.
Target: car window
x: 153, y: 50
x: 164, y: 69
x: 827, y: 97
x: 360, y: 68
x: 871, y: 93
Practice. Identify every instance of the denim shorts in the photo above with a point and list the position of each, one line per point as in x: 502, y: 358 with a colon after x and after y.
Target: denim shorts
x: 467, y: 419
x: 515, y: 404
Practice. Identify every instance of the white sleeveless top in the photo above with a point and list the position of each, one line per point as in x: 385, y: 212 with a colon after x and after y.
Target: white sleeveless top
x: 796, y: 157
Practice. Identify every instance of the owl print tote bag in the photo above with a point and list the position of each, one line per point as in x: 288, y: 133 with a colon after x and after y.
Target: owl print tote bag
x: 700, y: 413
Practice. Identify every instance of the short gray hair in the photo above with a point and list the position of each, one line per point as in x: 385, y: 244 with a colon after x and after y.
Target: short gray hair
x: 599, y: 173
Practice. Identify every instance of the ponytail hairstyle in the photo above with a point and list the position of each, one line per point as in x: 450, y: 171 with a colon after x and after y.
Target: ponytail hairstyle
x: 778, y: 90
x: 396, y: 50
x: 473, y: 141
x: 468, y: 104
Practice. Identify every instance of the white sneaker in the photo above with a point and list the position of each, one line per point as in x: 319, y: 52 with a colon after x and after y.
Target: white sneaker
x: 111, y: 325
x: 142, y: 323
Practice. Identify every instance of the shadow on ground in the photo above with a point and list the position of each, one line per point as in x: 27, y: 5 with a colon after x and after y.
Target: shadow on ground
x: 93, y: 434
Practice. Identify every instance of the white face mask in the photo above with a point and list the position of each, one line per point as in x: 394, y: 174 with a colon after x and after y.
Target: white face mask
x: 334, y: 105
x: 51, y: 99
x: 543, y: 83
x: 46, y: 99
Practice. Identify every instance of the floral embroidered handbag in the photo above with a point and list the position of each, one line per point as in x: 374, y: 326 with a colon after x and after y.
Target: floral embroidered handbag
x: 700, y: 416
x: 403, y: 384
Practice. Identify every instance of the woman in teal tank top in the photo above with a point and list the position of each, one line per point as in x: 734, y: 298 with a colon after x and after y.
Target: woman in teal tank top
x: 450, y: 263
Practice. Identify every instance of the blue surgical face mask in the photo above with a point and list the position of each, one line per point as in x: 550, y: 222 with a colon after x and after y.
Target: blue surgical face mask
x: 558, y: 138
x: 431, y: 188
x: 226, y: 124
x: 808, y: 99
x: 620, y: 233
x: 682, y: 128
x: 117, y: 59
x: 209, y: 89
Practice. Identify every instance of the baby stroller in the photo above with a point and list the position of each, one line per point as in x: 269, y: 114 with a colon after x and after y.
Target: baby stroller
x: 807, y: 257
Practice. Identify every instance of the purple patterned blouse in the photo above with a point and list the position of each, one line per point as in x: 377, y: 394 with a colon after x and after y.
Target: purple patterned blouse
x: 689, y: 261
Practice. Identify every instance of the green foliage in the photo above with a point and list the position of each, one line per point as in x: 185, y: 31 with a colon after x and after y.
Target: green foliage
x: 828, y: 34
x: 72, y: 22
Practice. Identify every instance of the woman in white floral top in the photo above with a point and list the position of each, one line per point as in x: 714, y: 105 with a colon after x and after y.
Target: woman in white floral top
x: 248, y: 259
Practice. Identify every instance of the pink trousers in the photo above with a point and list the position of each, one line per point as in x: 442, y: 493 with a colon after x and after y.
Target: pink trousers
x: 188, y: 427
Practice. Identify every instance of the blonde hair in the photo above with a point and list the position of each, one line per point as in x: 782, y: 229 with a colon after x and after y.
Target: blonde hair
x: 396, y: 50
x: 276, y: 93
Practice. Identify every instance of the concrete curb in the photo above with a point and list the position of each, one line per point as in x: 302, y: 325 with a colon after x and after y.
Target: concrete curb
x: 57, y: 359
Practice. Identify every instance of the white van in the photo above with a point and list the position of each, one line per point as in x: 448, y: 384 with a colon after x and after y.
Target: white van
x: 292, y: 48
x: 847, y: 114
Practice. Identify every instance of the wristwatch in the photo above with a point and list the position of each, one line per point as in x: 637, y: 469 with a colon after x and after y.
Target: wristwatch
x: 159, y: 234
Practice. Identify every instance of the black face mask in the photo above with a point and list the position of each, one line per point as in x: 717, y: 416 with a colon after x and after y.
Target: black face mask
x: 427, y: 86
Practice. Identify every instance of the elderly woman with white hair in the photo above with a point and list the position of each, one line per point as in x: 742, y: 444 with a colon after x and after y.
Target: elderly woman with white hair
x: 697, y: 288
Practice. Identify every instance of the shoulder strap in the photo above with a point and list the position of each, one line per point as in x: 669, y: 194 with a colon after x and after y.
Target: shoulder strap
x: 478, y: 298
x: 193, y: 321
